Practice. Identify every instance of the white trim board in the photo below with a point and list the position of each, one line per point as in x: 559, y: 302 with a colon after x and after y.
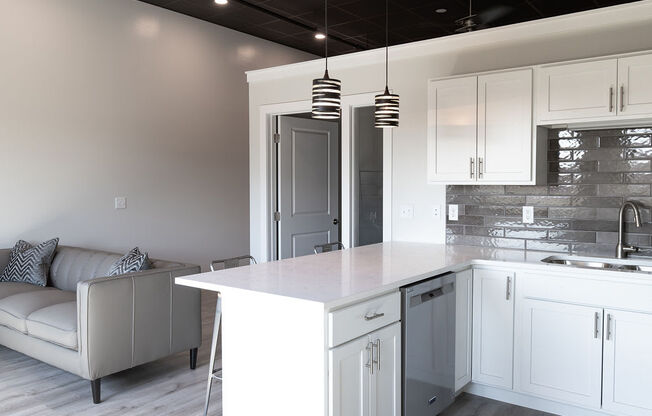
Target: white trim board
x: 624, y: 14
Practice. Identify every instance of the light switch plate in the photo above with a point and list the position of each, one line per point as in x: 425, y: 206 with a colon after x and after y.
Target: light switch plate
x: 452, y: 212
x: 120, y: 202
x: 407, y: 211
x: 528, y: 215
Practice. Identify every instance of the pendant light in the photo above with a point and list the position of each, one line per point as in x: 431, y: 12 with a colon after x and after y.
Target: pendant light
x: 326, y: 91
x: 386, y: 103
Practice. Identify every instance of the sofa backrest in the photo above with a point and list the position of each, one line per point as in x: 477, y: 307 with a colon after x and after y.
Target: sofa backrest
x: 72, y: 265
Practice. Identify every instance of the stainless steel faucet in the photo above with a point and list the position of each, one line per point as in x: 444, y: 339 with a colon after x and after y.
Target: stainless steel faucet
x: 623, y: 250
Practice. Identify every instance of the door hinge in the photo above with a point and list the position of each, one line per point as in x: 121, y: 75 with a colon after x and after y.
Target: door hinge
x: 276, y: 138
x: 277, y: 216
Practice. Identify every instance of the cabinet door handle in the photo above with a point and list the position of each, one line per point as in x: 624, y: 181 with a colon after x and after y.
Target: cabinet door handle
x: 611, y: 99
x: 622, y: 98
x: 374, y: 316
x: 608, y: 326
x: 508, y: 289
x: 471, y: 167
x: 596, y: 327
x: 480, y: 167
x: 377, y: 344
x: 370, y: 357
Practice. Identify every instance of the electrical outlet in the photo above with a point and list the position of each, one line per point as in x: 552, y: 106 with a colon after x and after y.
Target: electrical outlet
x: 452, y: 212
x: 436, y: 212
x: 407, y: 211
x: 120, y: 202
x: 528, y: 215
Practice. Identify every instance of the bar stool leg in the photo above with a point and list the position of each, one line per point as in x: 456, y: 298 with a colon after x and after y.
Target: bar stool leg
x: 211, y: 368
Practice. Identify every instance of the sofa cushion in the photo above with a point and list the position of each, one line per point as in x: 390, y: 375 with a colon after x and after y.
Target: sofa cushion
x: 30, y: 264
x: 133, y: 261
x: 56, y: 324
x: 72, y: 265
x: 13, y: 288
x: 15, y: 309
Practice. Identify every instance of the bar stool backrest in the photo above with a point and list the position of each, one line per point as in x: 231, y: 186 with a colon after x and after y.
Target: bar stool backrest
x: 232, y: 262
x: 323, y: 248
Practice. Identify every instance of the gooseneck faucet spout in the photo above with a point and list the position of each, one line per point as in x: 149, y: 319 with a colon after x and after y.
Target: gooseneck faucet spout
x: 622, y: 250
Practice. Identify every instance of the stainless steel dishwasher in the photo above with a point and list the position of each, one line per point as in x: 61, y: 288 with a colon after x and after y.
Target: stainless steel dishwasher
x: 428, y: 341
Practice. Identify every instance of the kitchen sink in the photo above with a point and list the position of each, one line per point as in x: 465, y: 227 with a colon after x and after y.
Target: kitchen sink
x: 632, y: 265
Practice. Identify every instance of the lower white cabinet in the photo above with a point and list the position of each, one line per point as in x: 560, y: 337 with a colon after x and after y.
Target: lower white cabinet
x: 559, y: 352
x: 463, y: 327
x: 365, y: 375
x: 627, y: 384
x: 493, y: 327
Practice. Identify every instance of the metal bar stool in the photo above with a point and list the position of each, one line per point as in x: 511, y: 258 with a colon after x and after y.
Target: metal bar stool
x: 220, y: 265
x: 323, y: 248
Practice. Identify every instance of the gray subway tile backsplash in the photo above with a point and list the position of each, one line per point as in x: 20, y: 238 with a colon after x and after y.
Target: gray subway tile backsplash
x: 590, y: 174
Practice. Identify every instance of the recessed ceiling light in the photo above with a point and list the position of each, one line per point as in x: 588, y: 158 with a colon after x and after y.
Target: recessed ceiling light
x: 222, y: 2
x: 320, y: 36
x: 440, y: 11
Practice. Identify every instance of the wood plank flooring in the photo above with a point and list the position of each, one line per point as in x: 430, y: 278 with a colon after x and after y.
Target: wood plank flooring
x: 165, y: 387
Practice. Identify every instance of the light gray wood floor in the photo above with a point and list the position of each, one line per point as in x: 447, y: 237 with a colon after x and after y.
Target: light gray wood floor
x: 165, y: 387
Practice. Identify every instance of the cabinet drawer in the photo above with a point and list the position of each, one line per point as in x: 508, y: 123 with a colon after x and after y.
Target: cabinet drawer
x: 356, y: 320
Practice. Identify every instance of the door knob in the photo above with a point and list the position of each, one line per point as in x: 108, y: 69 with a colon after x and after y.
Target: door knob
x: 336, y: 221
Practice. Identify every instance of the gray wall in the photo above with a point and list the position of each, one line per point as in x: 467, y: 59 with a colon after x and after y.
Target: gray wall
x: 105, y: 98
x: 590, y: 175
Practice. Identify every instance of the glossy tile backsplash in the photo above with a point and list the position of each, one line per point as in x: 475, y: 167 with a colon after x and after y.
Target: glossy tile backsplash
x: 590, y: 174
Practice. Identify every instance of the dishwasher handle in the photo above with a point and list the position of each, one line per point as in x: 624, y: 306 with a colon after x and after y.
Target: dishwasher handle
x: 432, y: 294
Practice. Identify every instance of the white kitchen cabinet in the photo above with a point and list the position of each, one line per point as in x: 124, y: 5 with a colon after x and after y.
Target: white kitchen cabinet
x: 505, y: 126
x: 452, y: 130
x: 627, y: 363
x: 480, y: 129
x: 493, y: 327
x: 365, y: 375
x: 463, y: 328
x: 577, y: 90
x: 559, y: 352
x: 634, y: 85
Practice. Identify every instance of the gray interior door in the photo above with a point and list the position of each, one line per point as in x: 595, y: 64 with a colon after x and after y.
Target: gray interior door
x: 308, y: 185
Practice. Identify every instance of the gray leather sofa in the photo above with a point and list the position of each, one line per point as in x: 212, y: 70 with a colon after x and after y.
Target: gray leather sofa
x: 94, y: 326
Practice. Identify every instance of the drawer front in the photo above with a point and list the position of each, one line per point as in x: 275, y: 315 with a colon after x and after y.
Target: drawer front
x: 365, y: 317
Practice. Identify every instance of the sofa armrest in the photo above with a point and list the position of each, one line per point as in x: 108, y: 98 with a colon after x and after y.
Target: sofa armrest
x: 4, y: 258
x: 128, y: 320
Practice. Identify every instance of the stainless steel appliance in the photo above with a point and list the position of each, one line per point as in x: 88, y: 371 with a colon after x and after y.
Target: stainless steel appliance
x: 428, y: 341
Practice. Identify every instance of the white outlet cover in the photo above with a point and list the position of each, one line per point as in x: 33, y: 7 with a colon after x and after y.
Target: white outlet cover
x: 120, y: 202
x: 452, y: 212
x: 528, y: 215
x: 436, y: 212
x: 407, y: 211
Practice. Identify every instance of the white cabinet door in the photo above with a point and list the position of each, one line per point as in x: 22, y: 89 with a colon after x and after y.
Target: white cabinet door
x: 349, y: 378
x: 627, y: 363
x: 559, y: 352
x: 463, y: 328
x: 493, y: 327
x: 635, y: 85
x: 452, y: 136
x: 385, y: 386
x: 581, y: 90
x: 505, y: 126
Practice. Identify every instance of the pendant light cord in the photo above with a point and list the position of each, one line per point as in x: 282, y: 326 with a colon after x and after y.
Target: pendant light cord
x: 386, y: 43
x: 326, y: 30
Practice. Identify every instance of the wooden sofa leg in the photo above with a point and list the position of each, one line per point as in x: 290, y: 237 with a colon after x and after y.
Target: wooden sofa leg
x: 95, y: 388
x: 193, y: 358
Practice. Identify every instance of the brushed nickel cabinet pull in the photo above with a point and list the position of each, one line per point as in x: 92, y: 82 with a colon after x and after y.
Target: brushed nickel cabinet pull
x: 596, y: 328
x: 608, y: 326
x: 479, y: 167
x: 370, y: 359
x: 377, y: 343
x: 374, y: 316
x: 508, y: 290
x: 611, y: 99
x: 471, y: 167
x: 622, y: 98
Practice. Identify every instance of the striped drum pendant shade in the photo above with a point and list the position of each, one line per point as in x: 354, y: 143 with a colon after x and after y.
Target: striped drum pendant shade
x: 386, y: 110
x: 326, y: 98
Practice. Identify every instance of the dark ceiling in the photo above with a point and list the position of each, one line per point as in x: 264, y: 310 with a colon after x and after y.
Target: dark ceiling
x: 359, y: 24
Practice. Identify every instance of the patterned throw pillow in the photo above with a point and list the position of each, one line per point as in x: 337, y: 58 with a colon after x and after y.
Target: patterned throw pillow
x: 30, y: 264
x: 133, y: 261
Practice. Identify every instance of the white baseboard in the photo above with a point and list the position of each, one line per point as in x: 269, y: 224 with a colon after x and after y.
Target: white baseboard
x: 531, y: 402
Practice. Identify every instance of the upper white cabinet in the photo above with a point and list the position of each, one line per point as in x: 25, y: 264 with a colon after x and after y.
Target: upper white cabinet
x: 480, y: 129
x: 635, y: 85
x: 580, y: 90
x: 452, y: 130
x: 604, y: 92
x: 627, y: 363
x: 463, y: 327
x: 493, y: 327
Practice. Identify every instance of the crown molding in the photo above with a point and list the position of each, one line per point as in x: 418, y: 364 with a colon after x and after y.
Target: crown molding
x: 624, y: 14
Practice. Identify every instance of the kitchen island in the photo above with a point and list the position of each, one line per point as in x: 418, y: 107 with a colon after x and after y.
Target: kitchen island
x: 288, y: 326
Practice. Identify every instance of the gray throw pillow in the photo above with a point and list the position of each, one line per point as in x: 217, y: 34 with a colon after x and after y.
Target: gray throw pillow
x: 133, y: 261
x: 30, y: 264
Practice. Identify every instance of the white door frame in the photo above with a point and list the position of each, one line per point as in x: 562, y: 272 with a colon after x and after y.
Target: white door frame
x: 261, y: 235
